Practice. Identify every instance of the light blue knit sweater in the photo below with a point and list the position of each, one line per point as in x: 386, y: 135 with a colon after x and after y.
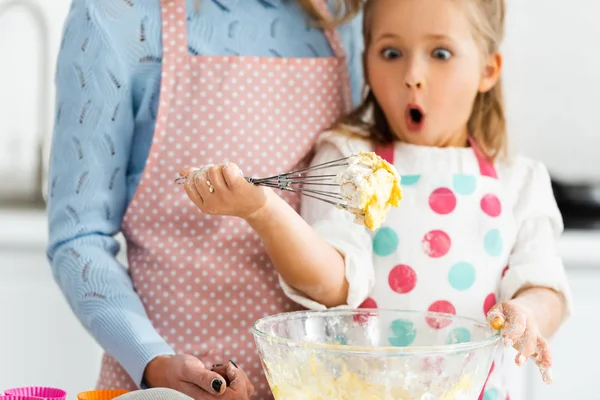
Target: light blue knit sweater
x: 107, y: 81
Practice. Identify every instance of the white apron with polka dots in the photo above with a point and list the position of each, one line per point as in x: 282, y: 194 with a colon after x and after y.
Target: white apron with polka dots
x: 442, y: 250
x: 204, y: 280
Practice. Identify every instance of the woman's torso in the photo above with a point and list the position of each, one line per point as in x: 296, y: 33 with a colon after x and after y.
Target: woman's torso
x: 220, y: 27
x: 210, y: 274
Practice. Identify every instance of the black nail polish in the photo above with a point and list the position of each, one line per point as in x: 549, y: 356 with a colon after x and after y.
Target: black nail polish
x: 216, y: 385
x: 234, y: 364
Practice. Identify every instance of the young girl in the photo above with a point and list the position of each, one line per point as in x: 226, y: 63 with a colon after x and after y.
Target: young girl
x: 475, y: 233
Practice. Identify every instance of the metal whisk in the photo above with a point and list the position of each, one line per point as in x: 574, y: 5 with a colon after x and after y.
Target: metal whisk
x: 320, y: 187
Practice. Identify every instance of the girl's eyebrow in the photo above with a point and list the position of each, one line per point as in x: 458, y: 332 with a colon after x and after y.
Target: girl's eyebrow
x: 438, y: 36
x: 434, y: 36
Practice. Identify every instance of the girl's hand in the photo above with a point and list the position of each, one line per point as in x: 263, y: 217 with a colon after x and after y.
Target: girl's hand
x: 520, y: 330
x: 223, y: 190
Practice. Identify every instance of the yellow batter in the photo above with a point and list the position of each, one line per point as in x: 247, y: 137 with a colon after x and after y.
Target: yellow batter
x: 371, y: 186
x: 316, y: 383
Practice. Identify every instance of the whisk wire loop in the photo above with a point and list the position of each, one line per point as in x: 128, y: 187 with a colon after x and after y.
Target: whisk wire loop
x: 313, y: 186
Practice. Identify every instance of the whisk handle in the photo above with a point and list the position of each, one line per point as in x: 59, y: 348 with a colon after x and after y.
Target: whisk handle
x: 183, y: 179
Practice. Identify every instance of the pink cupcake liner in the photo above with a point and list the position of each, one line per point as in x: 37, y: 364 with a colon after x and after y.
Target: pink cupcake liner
x: 47, y: 393
x: 9, y: 397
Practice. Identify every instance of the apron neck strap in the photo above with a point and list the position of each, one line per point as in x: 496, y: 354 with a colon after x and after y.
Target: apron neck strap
x: 385, y: 151
x: 486, y: 167
x: 335, y: 41
x: 174, y: 27
x: 175, y: 41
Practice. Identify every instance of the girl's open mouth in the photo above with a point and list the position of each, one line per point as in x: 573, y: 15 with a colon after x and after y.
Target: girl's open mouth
x: 414, y: 118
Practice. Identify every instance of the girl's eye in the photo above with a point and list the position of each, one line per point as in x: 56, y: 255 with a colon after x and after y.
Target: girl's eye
x: 390, y: 54
x: 442, y: 54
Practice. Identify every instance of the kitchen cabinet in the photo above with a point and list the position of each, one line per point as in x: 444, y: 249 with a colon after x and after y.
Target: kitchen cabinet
x: 41, y: 341
x: 575, y: 346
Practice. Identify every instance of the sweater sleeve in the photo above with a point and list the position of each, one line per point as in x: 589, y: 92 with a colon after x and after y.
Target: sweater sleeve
x: 91, y: 148
x: 338, y: 228
x: 534, y: 260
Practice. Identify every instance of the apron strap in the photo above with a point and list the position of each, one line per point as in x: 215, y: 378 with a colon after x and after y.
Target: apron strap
x: 175, y: 41
x: 174, y: 27
x: 335, y: 41
x: 385, y: 151
x: 486, y: 167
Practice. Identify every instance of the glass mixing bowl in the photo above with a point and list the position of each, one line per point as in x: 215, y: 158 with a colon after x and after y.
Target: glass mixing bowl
x: 375, y: 354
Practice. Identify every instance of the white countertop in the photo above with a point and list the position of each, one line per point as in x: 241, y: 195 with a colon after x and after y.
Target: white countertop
x: 27, y: 229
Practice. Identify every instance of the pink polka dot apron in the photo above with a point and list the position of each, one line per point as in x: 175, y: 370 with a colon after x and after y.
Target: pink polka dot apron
x: 443, y: 250
x: 204, y: 280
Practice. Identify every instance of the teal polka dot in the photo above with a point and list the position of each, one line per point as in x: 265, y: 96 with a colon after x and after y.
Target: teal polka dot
x: 464, y: 184
x: 459, y: 335
x: 385, y: 242
x: 409, y: 180
x: 493, y: 243
x: 341, y: 339
x: 491, y: 394
x: 462, y: 276
x: 404, y: 332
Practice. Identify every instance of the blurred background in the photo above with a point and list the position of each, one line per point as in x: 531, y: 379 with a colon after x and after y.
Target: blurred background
x: 552, y: 81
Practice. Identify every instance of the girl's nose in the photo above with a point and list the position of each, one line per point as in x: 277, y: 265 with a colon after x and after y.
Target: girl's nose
x: 414, y: 83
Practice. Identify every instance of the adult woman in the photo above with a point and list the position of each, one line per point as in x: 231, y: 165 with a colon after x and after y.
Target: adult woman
x: 238, y: 88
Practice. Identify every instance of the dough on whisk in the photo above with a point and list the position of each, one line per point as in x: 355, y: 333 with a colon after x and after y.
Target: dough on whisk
x: 371, y: 186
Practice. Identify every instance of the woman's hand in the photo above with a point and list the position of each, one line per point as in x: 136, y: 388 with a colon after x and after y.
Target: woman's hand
x: 520, y: 330
x: 188, y: 375
x: 238, y: 383
x: 223, y: 190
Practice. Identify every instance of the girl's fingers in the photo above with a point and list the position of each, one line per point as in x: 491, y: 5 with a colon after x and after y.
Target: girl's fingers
x: 192, y: 191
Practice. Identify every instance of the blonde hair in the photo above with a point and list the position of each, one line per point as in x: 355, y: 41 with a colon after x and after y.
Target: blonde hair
x: 345, y: 10
x: 487, y: 122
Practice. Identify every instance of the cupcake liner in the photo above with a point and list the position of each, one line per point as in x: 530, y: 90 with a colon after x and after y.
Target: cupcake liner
x: 48, y: 393
x: 9, y: 397
x: 100, y: 394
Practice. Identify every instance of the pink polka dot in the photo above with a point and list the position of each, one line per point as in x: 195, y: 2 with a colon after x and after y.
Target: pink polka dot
x: 402, y: 279
x: 441, y: 306
x: 442, y: 201
x: 436, y: 243
x: 491, y: 205
x: 504, y: 271
x: 368, y: 303
x: 364, y: 318
x: 490, y: 301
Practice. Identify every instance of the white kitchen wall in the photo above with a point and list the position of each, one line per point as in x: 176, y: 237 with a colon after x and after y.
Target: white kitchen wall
x: 552, y: 81
x: 30, y: 32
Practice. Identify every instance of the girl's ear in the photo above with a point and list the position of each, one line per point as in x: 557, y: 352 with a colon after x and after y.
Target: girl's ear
x: 491, y: 72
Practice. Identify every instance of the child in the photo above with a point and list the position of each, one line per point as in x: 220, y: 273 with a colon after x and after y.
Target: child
x: 475, y: 233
